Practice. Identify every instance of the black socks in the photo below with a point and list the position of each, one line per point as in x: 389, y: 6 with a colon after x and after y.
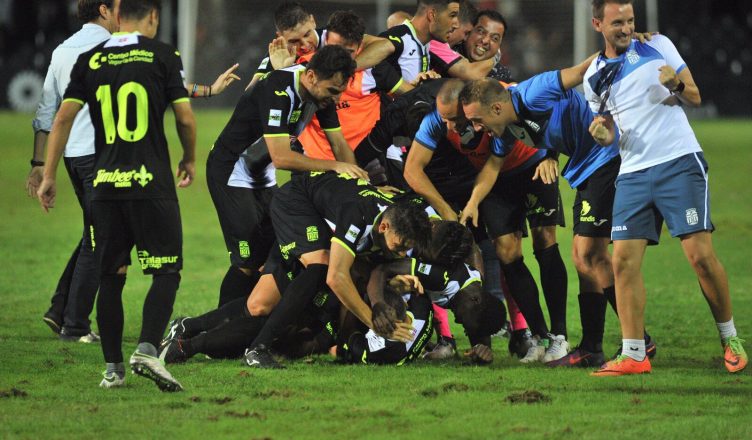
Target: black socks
x: 158, y: 307
x: 553, y: 275
x: 525, y: 293
x: 110, y: 316
x: 593, y: 320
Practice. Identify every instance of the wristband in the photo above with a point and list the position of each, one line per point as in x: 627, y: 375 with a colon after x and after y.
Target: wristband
x: 193, y: 92
x: 679, y: 89
x: 37, y: 163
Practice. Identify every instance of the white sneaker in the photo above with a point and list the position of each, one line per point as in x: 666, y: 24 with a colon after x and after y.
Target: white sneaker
x: 153, y: 368
x: 112, y: 380
x: 558, y: 348
x: 536, y: 352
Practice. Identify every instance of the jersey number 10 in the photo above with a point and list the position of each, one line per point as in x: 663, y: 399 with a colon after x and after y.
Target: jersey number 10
x: 104, y: 96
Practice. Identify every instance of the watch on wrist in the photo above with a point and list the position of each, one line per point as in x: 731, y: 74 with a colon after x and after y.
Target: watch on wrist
x: 36, y: 163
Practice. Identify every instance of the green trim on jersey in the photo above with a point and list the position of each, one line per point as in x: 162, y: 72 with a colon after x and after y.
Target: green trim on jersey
x: 77, y: 101
x: 178, y: 101
x: 397, y: 86
x: 337, y: 240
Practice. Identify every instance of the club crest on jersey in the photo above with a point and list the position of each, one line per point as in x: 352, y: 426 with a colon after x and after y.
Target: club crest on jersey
x: 632, y: 57
x: 275, y: 118
x: 352, y: 233
x: 424, y: 268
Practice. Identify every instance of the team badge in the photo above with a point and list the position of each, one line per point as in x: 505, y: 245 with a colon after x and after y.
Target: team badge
x: 425, y: 269
x: 632, y: 57
x: 692, y: 217
x: 275, y: 118
x: 352, y: 233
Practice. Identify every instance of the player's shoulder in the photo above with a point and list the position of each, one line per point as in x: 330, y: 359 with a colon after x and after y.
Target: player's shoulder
x: 657, y: 40
x: 397, y: 32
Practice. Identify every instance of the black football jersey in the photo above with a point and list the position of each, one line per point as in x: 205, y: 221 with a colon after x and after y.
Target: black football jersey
x: 128, y: 81
x: 273, y: 107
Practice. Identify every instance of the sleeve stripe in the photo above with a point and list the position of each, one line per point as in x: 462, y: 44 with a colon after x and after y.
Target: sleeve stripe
x: 412, y: 266
x: 179, y: 100
x: 333, y: 129
x: 680, y: 68
x: 469, y: 282
x: 77, y: 101
x: 276, y: 135
x: 398, y: 85
x: 344, y: 245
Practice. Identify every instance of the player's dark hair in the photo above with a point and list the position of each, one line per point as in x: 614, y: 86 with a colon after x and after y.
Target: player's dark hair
x: 395, y: 301
x: 290, y: 14
x: 138, y: 9
x: 482, y: 313
x: 451, y: 244
x: 88, y: 10
x: 440, y: 5
x: 493, y: 16
x: 410, y: 222
x: 598, y: 6
x: 348, y: 25
x: 331, y: 60
x: 468, y: 12
x: 486, y: 91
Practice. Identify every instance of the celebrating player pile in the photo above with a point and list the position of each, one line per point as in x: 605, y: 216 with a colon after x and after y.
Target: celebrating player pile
x: 332, y: 263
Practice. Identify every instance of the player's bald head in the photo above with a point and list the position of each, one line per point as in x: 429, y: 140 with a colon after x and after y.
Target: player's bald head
x: 449, y: 93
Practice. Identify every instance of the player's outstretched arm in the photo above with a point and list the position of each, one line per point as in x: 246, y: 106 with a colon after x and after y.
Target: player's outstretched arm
x: 340, y: 148
x: 220, y: 84
x: 464, y: 69
x: 415, y: 175
x: 573, y: 76
x: 374, y: 52
x: 338, y: 279
x: 483, y: 184
x: 185, y: 124
x: 55, y: 147
x: 284, y: 158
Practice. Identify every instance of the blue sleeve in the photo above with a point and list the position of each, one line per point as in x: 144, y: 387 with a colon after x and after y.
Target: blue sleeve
x: 542, y: 91
x: 432, y: 130
x: 503, y: 145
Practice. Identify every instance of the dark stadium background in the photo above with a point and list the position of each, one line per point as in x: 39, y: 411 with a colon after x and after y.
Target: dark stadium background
x: 714, y: 37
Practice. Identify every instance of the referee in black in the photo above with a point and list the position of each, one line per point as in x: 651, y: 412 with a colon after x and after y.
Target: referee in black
x: 128, y: 82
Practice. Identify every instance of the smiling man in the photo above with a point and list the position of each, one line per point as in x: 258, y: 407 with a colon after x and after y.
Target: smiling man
x: 663, y: 175
x: 405, y: 48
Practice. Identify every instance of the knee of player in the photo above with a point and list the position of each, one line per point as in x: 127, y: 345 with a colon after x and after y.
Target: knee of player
x: 508, y: 252
x: 625, y: 263
x: 543, y: 237
x: 703, y: 264
x: 258, y: 308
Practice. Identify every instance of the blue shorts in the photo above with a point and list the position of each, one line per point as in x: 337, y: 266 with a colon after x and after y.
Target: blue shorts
x: 676, y: 191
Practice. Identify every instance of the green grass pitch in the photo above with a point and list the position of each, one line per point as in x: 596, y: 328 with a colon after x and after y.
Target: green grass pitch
x: 49, y: 388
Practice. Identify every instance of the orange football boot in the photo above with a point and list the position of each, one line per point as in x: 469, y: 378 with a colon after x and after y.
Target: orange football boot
x: 623, y: 365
